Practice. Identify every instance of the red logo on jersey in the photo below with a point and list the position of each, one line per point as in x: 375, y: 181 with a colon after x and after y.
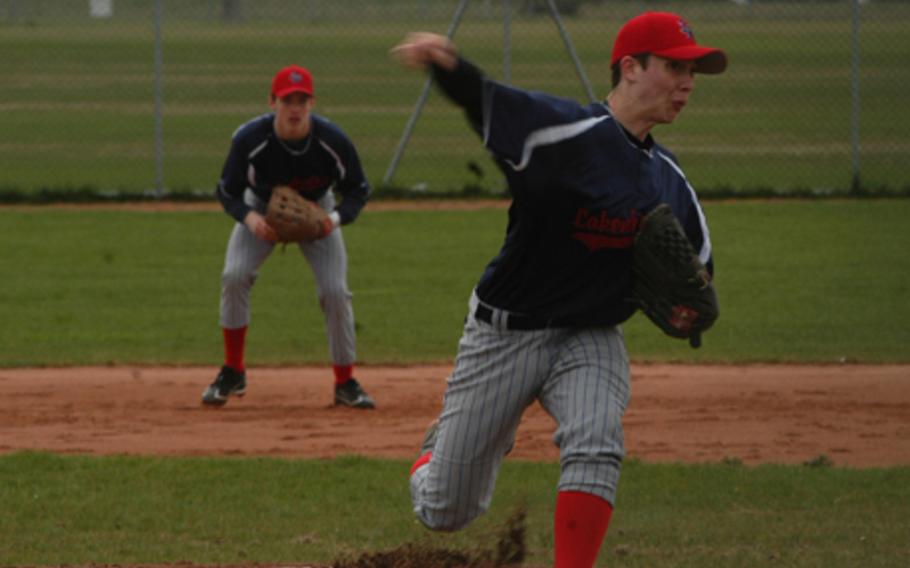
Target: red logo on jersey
x: 309, y: 183
x: 597, y: 230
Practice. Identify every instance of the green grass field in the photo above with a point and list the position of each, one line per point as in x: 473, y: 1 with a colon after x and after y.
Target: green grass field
x: 79, y: 94
x: 798, y: 281
x: 80, y: 510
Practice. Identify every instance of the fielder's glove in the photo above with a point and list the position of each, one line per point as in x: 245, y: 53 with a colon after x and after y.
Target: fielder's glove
x: 295, y: 218
x: 672, y: 286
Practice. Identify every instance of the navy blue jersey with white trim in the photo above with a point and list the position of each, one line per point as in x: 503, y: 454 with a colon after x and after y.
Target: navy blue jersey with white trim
x: 580, y: 184
x: 325, y: 159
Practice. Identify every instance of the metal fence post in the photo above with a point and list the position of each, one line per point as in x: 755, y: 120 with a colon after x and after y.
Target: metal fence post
x: 13, y: 11
x: 855, y: 185
x: 579, y: 70
x: 506, y: 42
x: 421, y: 101
x: 159, y: 103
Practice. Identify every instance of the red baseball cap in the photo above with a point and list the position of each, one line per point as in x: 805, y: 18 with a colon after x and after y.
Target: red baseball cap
x: 292, y: 79
x: 666, y: 35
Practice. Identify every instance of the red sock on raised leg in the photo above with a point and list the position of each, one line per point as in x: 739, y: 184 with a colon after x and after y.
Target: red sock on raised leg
x: 424, y: 459
x: 580, y: 524
x: 234, y: 346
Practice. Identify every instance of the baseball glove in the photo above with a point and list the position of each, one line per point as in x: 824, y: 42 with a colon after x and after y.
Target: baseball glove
x: 670, y: 283
x: 295, y: 218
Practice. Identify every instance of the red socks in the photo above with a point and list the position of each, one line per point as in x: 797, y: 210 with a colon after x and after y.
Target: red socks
x: 580, y: 524
x: 342, y: 373
x: 234, y: 347
x: 234, y: 344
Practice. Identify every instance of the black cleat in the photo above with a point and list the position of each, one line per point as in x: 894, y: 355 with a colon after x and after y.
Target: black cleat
x: 352, y: 394
x: 228, y: 382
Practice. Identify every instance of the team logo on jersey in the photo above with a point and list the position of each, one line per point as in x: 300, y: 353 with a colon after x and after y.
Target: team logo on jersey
x: 309, y: 183
x: 686, y: 30
x: 598, y: 230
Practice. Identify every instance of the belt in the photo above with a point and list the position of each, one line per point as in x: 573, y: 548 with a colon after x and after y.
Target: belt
x: 517, y: 322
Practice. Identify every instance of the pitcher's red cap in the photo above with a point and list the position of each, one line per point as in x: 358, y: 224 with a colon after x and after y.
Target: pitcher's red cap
x: 666, y: 35
x: 292, y: 79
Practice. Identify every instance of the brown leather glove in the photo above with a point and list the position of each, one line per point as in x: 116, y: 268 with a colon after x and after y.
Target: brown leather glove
x: 295, y: 218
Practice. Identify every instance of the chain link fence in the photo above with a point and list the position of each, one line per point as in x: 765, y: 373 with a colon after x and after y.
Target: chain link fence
x: 142, y: 96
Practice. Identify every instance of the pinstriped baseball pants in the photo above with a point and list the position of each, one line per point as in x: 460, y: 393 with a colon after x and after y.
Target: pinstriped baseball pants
x: 579, y: 375
x: 327, y: 258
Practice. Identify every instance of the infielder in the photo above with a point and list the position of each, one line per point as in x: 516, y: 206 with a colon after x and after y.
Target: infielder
x: 289, y: 146
x: 544, y: 319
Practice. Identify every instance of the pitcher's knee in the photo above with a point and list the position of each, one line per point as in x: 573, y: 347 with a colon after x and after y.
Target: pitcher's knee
x: 438, y: 509
x: 445, y: 520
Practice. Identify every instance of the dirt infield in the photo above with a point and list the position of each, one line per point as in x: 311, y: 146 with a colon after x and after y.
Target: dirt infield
x: 856, y: 415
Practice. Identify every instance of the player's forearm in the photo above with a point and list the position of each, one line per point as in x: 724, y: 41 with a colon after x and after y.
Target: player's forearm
x: 463, y: 85
x: 233, y: 204
x: 352, y: 201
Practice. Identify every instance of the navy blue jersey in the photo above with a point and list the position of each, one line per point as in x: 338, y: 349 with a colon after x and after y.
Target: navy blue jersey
x: 258, y: 159
x: 580, y: 185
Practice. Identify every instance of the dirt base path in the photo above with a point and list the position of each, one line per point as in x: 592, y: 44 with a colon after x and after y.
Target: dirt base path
x: 855, y: 415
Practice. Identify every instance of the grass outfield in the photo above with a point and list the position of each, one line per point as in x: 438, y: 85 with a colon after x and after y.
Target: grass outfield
x: 798, y: 281
x: 77, y: 510
x: 779, y: 118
